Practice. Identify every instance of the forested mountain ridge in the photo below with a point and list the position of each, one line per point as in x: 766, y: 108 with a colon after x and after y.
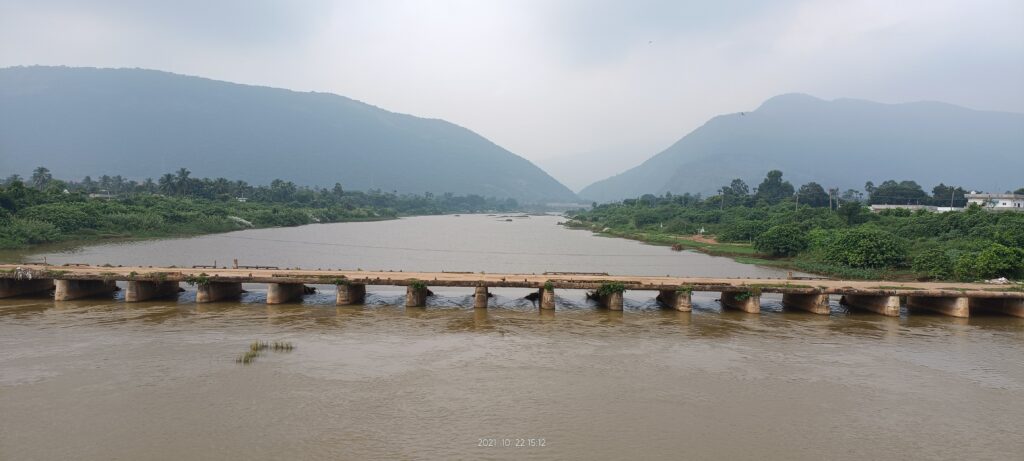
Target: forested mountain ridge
x: 141, y: 123
x: 841, y: 144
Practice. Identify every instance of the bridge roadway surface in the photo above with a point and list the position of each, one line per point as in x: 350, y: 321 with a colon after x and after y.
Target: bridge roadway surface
x: 558, y: 281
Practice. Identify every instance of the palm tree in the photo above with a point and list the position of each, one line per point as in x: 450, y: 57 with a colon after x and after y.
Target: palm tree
x: 166, y: 184
x: 182, y: 181
x: 41, y: 177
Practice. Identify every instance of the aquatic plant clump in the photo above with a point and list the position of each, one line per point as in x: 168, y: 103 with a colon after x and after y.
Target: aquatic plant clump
x: 256, y: 349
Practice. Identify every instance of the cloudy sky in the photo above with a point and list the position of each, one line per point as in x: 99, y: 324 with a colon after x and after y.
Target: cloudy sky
x: 607, y: 82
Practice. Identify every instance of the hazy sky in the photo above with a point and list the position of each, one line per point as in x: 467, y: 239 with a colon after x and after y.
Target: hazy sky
x: 615, y: 80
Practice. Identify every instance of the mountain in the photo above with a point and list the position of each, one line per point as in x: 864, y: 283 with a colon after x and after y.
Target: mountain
x: 842, y: 143
x: 142, y: 123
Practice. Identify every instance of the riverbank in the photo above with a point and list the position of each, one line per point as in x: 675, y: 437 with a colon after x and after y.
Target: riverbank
x: 744, y: 253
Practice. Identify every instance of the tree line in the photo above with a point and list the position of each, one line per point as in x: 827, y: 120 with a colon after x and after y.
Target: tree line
x: 828, y: 232
x: 44, y: 209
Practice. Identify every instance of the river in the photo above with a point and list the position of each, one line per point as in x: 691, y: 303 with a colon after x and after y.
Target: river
x: 101, y: 379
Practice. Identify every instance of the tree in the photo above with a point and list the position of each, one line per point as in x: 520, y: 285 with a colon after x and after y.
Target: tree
x: 1019, y: 191
x: 814, y: 195
x: 166, y: 184
x: 784, y: 240
x: 773, y: 189
x: 852, y: 195
x: 181, y: 181
x: 40, y: 178
x: 12, y: 179
x: 898, y: 193
x: 943, y: 195
x: 739, y: 188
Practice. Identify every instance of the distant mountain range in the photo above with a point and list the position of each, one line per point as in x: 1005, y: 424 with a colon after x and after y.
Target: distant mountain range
x: 841, y: 143
x: 142, y: 123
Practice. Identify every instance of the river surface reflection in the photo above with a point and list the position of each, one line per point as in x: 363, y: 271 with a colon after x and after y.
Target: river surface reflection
x: 101, y: 379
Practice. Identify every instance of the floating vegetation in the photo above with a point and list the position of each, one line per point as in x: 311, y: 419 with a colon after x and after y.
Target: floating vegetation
x: 247, y: 357
x: 256, y: 348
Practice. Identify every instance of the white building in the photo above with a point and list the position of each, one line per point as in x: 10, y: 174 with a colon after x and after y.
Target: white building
x: 1012, y: 202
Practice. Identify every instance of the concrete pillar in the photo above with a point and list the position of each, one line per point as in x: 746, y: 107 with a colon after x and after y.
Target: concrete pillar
x: 280, y: 293
x: 73, y: 289
x: 17, y: 287
x: 1006, y: 306
x: 480, y: 296
x: 815, y: 303
x: 349, y: 294
x: 141, y: 291
x: 879, y: 304
x: 415, y: 297
x: 547, y: 299
x: 750, y: 305
x: 216, y: 291
x: 956, y: 306
x: 611, y: 301
x: 678, y: 300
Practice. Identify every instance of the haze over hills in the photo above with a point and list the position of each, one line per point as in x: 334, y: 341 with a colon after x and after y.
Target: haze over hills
x: 142, y: 123
x: 841, y: 143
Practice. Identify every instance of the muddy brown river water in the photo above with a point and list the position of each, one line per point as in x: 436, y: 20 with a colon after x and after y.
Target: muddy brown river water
x: 101, y: 379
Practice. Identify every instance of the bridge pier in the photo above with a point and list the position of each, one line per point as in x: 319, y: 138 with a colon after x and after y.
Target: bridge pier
x: 815, y: 303
x: 13, y: 287
x: 751, y: 303
x: 956, y: 306
x: 480, y: 296
x: 547, y: 299
x: 880, y: 304
x: 352, y: 293
x: 416, y: 296
x: 1006, y: 306
x: 142, y: 291
x: 611, y: 301
x: 217, y: 291
x: 280, y: 293
x: 673, y: 299
x: 66, y: 290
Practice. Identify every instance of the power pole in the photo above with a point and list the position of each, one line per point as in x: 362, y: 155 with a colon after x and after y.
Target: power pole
x: 796, y: 207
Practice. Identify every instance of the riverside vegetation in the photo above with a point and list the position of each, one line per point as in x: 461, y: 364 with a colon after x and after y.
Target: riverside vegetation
x: 45, y: 210
x: 825, y: 232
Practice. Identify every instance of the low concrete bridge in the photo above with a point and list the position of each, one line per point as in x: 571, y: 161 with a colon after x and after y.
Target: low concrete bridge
x: 289, y: 285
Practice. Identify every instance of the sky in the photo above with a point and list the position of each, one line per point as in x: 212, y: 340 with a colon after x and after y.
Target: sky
x: 583, y: 88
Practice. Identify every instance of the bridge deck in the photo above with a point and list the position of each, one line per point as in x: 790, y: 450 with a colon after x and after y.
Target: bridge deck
x: 558, y: 281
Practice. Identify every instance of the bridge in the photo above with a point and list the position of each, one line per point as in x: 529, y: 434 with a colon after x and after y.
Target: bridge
x: 74, y: 281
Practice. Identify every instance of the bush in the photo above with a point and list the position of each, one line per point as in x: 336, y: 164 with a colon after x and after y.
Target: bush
x: 18, y: 233
x: 866, y: 247
x: 994, y: 261
x: 933, y: 263
x: 741, y: 231
x: 786, y: 240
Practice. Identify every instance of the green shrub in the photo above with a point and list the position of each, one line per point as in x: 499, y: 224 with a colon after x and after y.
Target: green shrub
x: 994, y: 261
x: 785, y: 240
x: 933, y: 263
x: 866, y: 247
